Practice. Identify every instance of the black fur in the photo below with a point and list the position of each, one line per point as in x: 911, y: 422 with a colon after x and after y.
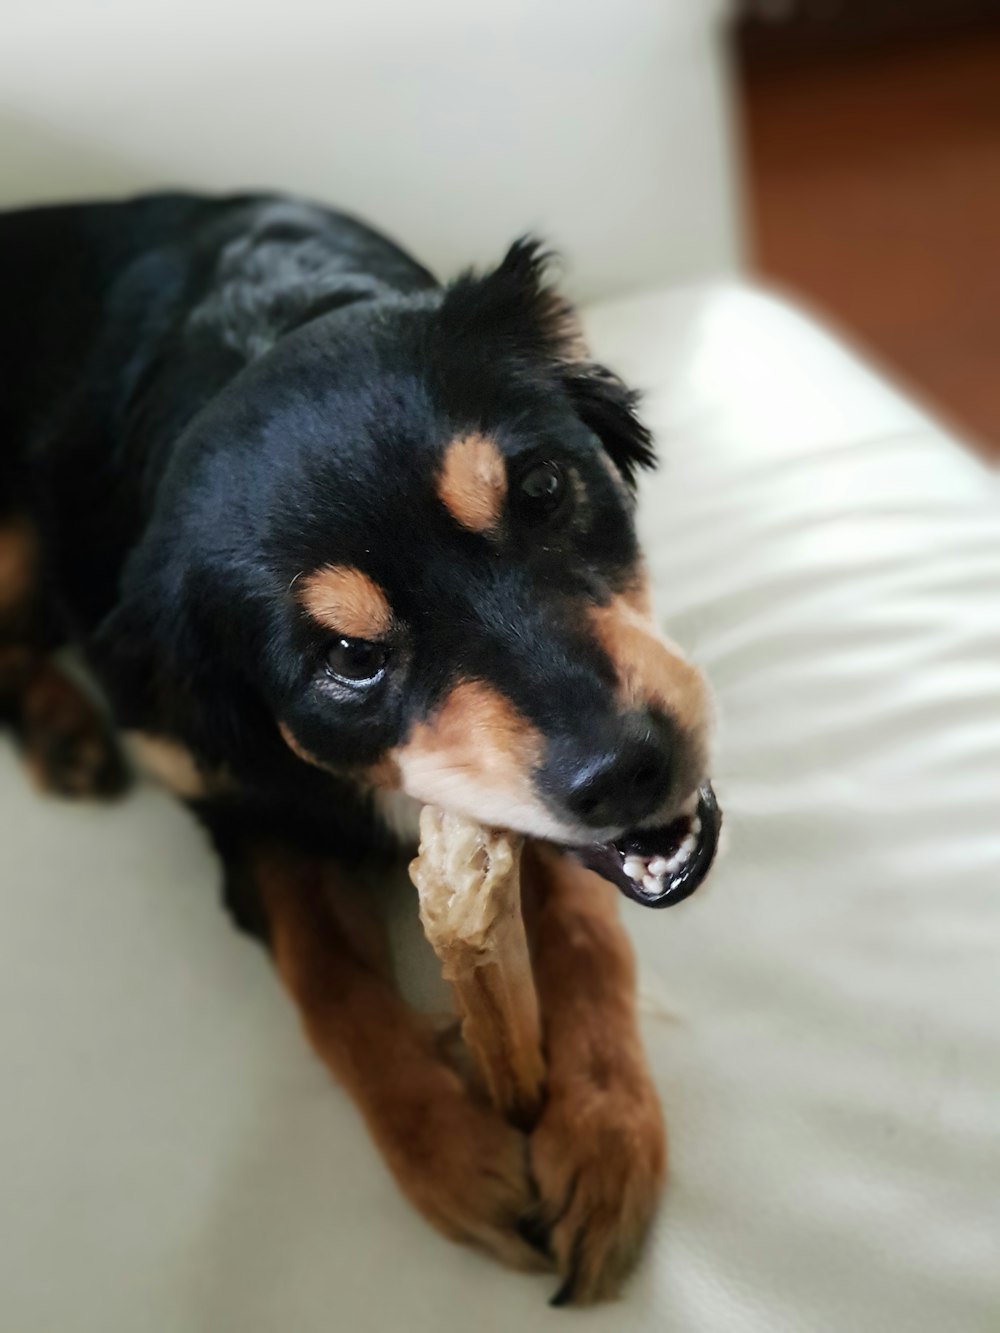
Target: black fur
x: 204, y: 398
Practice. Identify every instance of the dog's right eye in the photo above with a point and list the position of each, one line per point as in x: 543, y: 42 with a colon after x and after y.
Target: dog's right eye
x: 541, y: 491
x: 356, y: 661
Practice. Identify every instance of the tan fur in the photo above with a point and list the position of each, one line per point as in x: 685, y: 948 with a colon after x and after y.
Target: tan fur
x: 383, y: 775
x: 18, y: 564
x: 169, y: 763
x: 346, y: 601
x: 472, y: 483
x: 476, y: 756
x: 598, y: 1153
x: 651, y: 670
x: 454, y: 1159
x: 297, y: 749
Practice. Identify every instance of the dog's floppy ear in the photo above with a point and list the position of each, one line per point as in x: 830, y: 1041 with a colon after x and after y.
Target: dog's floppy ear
x: 517, y: 304
x: 608, y: 407
x: 160, y: 649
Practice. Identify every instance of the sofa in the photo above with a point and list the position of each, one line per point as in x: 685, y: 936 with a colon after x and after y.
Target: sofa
x: 822, y: 1016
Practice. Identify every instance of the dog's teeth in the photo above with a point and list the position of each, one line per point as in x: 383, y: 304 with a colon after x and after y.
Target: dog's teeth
x: 674, y: 863
x: 659, y: 865
x: 688, y: 845
x: 652, y: 883
x: 635, y: 867
x: 696, y: 826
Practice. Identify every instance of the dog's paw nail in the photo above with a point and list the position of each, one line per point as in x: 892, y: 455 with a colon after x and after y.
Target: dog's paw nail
x: 567, y: 1291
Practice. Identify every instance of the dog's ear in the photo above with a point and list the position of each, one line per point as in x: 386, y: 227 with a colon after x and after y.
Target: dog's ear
x: 518, y: 305
x: 170, y: 650
x: 608, y: 407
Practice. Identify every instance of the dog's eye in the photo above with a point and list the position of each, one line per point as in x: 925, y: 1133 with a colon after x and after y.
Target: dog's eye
x: 358, y: 661
x: 541, y: 490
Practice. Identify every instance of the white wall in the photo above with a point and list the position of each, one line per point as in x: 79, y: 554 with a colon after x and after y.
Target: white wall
x: 453, y: 124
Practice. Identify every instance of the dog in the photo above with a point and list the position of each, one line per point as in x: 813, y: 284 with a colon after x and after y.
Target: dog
x: 336, y: 540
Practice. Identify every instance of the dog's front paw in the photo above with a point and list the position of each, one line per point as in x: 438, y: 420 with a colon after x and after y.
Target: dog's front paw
x: 599, y: 1160
x: 461, y: 1165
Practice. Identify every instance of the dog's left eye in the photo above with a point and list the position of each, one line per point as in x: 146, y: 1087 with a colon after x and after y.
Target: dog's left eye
x: 358, y: 661
x: 541, y: 490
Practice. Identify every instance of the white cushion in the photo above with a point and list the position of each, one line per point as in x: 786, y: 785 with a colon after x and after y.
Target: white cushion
x: 821, y: 1017
x: 454, y: 125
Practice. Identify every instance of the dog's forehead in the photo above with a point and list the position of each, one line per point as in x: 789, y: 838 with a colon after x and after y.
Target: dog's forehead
x: 436, y: 530
x: 406, y: 471
x: 358, y: 479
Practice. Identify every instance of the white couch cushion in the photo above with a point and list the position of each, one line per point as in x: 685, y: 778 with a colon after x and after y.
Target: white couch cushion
x: 821, y: 1017
x: 454, y: 125
x: 832, y: 1073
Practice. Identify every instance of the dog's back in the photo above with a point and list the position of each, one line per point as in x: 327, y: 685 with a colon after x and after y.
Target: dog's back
x: 119, y: 320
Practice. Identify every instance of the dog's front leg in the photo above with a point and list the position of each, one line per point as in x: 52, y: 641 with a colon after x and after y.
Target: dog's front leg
x: 457, y: 1161
x: 599, y: 1150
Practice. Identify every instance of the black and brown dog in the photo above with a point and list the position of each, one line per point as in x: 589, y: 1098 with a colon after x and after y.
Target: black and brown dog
x: 336, y: 539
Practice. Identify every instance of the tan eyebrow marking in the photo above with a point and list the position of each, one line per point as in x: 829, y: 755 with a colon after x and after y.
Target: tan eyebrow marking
x: 343, y: 599
x: 472, y: 484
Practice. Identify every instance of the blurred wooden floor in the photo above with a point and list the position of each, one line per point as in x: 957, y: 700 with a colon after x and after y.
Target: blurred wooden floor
x: 874, y: 190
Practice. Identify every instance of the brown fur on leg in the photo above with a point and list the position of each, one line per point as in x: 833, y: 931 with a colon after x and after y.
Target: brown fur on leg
x: 456, y: 1161
x: 68, y: 744
x: 69, y: 747
x: 599, y: 1151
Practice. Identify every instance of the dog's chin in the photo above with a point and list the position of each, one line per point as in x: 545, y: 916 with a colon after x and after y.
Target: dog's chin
x: 660, y: 866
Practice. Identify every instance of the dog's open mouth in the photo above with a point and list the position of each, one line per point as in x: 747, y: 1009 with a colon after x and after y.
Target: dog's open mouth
x: 661, y: 866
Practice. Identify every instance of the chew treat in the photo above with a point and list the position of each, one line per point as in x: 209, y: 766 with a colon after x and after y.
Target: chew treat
x: 469, y: 882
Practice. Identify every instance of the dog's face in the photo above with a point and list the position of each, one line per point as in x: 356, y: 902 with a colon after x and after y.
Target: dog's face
x: 422, y: 523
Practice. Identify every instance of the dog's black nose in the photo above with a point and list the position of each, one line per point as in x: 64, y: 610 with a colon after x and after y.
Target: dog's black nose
x: 618, y: 775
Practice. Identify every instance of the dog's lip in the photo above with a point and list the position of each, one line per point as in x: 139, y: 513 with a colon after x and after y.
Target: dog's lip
x: 661, y: 866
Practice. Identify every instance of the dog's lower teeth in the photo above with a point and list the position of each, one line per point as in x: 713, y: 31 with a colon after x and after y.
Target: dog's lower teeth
x: 650, y: 871
x: 660, y: 863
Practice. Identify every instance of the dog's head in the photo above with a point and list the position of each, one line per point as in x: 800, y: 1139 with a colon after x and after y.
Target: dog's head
x: 413, y: 522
